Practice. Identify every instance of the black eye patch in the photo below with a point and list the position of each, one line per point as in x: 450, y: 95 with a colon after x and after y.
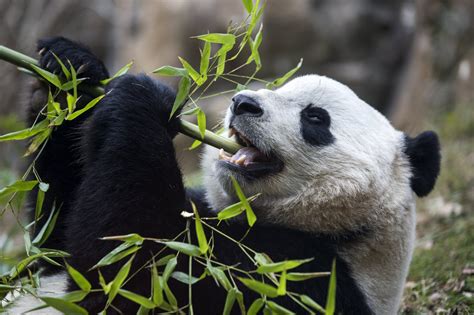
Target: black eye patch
x: 315, y: 122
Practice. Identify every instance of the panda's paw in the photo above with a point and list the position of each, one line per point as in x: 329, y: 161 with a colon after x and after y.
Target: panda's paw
x: 70, y: 53
x: 140, y: 97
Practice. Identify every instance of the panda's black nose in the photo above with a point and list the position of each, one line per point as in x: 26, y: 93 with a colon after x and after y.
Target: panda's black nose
x: 244, y: 105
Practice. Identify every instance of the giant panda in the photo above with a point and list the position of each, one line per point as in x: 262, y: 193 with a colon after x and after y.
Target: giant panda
x: 335, y: 181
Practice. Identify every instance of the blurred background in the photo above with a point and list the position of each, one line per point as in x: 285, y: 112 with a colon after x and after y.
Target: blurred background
x: 412, y: 60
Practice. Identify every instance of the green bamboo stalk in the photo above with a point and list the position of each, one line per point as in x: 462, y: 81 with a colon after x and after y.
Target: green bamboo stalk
x: 186, y: 128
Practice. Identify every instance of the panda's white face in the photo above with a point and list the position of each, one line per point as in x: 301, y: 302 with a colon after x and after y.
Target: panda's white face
x: 310, y: 142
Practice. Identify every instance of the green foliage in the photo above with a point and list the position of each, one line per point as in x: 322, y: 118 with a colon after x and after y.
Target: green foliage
x: 88, y: 106
x: 331, y: 298
x: 18, y: 186
x: 119, y: 73
x: 201, y: 236
x: 281, y: 266
x: 64, y: 306
x: 280, y: 81
x: 251, y: 218
x: 260, y: 287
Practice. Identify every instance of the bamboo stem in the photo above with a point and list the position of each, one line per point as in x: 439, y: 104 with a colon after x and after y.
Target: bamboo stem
x: 186, y: 128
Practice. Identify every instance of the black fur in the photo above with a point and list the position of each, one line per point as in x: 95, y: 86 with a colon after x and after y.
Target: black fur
x: 424, y: 155
x: 315, y: 122
x: 83, y: 61
x: 124, y: 178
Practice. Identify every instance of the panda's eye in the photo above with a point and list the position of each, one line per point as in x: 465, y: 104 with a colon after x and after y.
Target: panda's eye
x: 316, y: 115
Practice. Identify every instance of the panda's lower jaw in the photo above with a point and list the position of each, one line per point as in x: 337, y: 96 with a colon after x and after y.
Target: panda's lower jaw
x: 254, y: 170
x: 250, y: 162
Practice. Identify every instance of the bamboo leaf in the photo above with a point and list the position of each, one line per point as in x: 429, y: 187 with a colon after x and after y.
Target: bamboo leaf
x: 63, y: 306
x: 183, y: 91
x: 192, y: 73
x: 192, y: 111
x: 219, y: 276
x: 194, y: 145
x: 278, y: 309
x: 311, y: 303
x: 163, y: 261
x: 37, y: 141
x: 141, y: 300
x: 170, y: 266
x: 239, y: 296
x: 105, y: 286
x: 201, y: 236
x: 285, y: 77
x: 185, y: 248
x: 282, y: 284
x: 170, y: 296
x: 89, y: 105
x: 219, y: 38
x: 254, y: 46
x: 48, y: 76
x: 47, y: 228
x: 74, y: 296
x: 184, y: 277
x: 302, y: 276
x: 156, y: 285
x: 255, y: 15
x: 66, y: 72
x: 52, y: 105
x: 263, y: 259
x: 129, y: 238
x: 119, y: 280
x: 74, y: 86
x: 229, y: 301
x: 171, y: 71
x: 201, y: 120
x: 248, y: 4
x: 21, y: 265
x: 281, y: 266
x: 206, y: 54
x: 222, y: 55
x: 231, y: 211
x: 26, y: 133
x: 58, y: 120
x: 331, y: 298
x: 119, y: 73
x: 260, y: 287
x: 120, y: 252
x: 71, y: 84
x: 79, y: 279
x: 17, y: 186
x: 255, y: 307
x: 251, y: 218
x: 71, y: 102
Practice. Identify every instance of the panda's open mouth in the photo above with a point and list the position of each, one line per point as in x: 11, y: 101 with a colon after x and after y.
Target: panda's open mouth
x: 249, y: 161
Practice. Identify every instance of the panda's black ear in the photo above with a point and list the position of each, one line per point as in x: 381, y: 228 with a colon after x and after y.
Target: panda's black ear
x: 424, y: 155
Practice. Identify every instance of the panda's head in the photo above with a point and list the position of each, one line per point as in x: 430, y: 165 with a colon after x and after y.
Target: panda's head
x: 313, y: 144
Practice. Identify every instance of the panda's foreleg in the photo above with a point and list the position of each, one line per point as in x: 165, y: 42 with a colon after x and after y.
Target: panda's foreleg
x: 59, y: 163
x: 131, y: 182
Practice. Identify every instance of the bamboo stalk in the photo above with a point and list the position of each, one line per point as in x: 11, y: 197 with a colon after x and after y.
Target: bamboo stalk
x: 186, y: 128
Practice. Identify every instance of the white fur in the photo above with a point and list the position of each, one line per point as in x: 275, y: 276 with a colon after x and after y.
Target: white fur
x: 362, y: 179
x: 51, y: 286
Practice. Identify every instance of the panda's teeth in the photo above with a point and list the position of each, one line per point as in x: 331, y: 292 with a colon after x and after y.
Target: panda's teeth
x: 223, y: 155
x: 231, y: 132
x: 241, y: 160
